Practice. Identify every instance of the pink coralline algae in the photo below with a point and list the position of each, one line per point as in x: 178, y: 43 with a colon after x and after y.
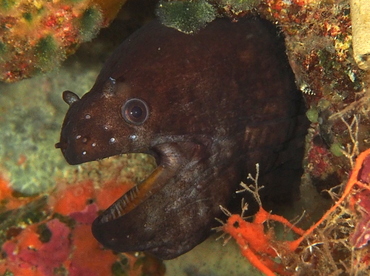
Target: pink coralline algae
x: 28, y: 253
x: 87, y: 215
x: 361, y: 235
x: 61, y: 243
x: 361, y: 200
x: 364, y: 174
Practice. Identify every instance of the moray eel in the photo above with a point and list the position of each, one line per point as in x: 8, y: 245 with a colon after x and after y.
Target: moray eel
x: 208, y: 107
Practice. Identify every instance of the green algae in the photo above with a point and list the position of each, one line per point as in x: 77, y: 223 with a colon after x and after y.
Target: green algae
x: 186, y: 16
x: 90, y: 23
x: 26, y: 152
x: 212, y: 257
x: 323, y: 104
x: 48, y: 53
x: 32, y: 112
x: 27, y: 16
x: 2, y: 50
x: 44, y: 233
x: 26, y: 215
x: 238, y: 6
x: 337, y: 149
x: 121, y: 267
x: 312, y: 115
x: 6, y: 5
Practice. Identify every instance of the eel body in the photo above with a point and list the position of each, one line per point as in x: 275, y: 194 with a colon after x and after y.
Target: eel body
x: 208, y: 107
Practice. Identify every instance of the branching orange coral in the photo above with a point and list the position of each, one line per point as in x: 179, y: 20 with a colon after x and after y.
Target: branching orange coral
x: 262, y: 249
x: 258, y: 247
x: 357, y: 180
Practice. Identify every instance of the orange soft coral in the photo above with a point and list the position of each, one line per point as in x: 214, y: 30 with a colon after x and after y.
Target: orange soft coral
x: 88, y: 256
x: 73, y: 198
x: 110, y: 192
x: 8, y: 201
x: 262, y: 249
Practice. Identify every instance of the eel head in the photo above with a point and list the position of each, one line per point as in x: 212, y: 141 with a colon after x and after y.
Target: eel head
x: 173, y: 210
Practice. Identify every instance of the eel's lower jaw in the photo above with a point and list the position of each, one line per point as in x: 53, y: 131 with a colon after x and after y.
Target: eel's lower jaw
x: 134, y: 197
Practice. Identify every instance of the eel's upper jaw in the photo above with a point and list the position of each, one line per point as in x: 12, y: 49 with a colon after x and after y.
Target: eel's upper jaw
x: 86, y: 135
x: 85, y: 147
x: 65, y: 149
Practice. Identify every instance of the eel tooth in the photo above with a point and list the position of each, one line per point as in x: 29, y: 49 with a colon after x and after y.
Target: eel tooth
x: 118, y: 208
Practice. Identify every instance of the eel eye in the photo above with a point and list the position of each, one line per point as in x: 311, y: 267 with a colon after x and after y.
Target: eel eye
x: 135, y: 111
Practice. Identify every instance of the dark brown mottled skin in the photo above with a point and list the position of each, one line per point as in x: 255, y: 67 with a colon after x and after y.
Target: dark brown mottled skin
x: 208, y: 107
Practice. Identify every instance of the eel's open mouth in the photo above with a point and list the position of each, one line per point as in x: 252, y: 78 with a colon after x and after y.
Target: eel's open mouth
x: 168, y: 160
x: 134, y: 197
x: 173, y: 210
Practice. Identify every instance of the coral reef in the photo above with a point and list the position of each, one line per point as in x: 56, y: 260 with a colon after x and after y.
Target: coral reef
x: 329, y: 247
x: 319, y: 39
x: 260, y: 248
x: 51, y: 234
x: 45, y: 205
x: 319, y: 42
x: 36, y: 36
